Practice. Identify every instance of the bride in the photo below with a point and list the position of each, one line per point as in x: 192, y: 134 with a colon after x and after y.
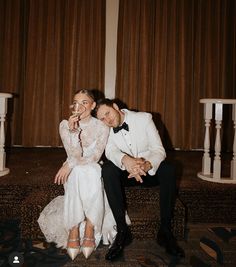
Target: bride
x: 79, y: 219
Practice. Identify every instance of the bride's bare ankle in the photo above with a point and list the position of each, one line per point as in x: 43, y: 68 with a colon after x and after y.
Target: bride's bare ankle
x: 73, y: 238
x: 89, y: 240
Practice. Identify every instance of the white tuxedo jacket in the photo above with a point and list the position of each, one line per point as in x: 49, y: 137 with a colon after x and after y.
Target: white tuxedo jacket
x: 145, y: 141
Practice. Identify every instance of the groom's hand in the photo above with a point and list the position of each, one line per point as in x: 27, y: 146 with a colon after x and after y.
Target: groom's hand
x: 137, y: 177
x: 141, y: 169
x: 133, y: 166
x: 130, y: 163
x: 136, y: 173
x: 146, y: 166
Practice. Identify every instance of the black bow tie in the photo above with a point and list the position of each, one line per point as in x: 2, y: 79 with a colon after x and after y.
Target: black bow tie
x: 124, y: 126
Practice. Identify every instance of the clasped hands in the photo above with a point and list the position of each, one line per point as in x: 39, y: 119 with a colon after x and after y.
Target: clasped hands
x: 136, y: 167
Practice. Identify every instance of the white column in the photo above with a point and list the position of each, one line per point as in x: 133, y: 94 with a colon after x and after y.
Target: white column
x: 217, y: 158
x: 233, y: 161
x: 206, y: 160
x: 112, y: 10
x: 3, y: 112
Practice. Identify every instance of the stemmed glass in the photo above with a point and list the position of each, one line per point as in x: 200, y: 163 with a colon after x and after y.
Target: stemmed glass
x: 77, y: 109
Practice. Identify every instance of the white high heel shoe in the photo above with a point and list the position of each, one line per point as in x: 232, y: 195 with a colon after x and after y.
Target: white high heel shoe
x: 73, y: 252
x: 87, y: 251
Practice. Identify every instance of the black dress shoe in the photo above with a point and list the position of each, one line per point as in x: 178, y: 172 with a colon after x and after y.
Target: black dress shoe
x: 167, y: 240
x: 123, y: 238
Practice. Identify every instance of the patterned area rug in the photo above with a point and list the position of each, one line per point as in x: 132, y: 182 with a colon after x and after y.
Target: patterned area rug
x: 38, y: 253
x: 128, y: 259
x: 140, y: 253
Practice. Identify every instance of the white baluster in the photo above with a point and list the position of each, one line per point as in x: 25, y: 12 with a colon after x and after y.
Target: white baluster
x: 3, y: 111
x: 206, y: 160
x: 217, y: 158
x: 216, y: 175
x: 233, y: 161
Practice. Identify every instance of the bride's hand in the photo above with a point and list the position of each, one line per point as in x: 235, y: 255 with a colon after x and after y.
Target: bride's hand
x: 62, y: 175
x: 73, y: 122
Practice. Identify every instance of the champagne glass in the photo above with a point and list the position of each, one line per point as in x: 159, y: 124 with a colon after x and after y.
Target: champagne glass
x: 77, y: 109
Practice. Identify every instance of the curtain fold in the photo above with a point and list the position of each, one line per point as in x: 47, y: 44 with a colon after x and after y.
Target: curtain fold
x: 172, y: 53
x: 52, y: 49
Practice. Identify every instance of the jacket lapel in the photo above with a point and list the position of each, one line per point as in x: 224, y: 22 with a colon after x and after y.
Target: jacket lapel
x: 133, y: 135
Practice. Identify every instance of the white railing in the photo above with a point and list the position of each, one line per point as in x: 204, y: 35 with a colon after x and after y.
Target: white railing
x: 216, y: 105
x: 3, y: 111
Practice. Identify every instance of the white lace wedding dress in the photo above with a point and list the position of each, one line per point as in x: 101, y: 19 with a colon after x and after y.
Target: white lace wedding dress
x: 84, y: 194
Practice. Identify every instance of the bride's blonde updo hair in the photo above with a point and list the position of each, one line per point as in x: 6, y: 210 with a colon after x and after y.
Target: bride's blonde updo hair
x: 87, y: 92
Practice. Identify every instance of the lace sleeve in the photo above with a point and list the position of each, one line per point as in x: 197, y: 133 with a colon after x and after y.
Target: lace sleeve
x: 98, y: 135
x: 71, y: 144
x: 101, y: 132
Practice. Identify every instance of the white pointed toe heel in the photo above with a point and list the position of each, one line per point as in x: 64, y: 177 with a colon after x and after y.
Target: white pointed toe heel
x: 73, y: 251
x: 87, y: 251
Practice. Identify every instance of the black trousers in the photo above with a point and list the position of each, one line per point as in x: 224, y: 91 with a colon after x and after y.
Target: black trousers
x: 115, y: 181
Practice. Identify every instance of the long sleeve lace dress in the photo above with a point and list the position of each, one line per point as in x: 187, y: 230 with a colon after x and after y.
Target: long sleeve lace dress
x: 84, y: 194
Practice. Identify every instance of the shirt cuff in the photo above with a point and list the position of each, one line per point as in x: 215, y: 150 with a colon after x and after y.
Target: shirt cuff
x: 151, y: 171
x: 122, y: 167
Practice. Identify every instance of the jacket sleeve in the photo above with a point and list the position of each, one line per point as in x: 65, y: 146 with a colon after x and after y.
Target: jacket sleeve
x: 155, y: 150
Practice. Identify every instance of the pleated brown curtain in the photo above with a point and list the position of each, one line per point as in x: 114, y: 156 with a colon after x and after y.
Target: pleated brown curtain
x: 171, y: 53
x: 58, y: 48
x: 11, y: 59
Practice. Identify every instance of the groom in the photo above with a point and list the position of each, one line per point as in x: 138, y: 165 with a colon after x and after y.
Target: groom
x: 134, y: 150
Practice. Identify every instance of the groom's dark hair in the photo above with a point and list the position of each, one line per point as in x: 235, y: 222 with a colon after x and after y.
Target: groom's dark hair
x: 103, y: 101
